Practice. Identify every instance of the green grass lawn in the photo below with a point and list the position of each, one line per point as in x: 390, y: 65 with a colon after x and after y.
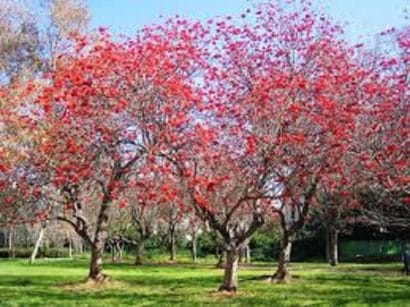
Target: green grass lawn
x: 60, y: 283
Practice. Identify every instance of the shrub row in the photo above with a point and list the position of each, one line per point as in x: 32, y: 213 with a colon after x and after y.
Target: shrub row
x: 26, y: 253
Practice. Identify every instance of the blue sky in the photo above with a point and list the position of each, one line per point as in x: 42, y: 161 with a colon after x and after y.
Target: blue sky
x: 364, y: 17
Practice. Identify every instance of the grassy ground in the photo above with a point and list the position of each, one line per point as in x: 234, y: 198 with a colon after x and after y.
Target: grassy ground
x: 59, y: 283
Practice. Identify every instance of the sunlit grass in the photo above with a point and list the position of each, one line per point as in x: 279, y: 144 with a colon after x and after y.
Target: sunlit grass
x: 59, y: 283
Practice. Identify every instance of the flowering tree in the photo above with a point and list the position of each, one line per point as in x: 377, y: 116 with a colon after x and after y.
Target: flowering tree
x: 291, y: 87
x: 232, y: 120
x: 103, y: 112
x: 18, y: 193
x: 383, y: 139
x: 30, y: 40
x: 281, y: 110
x: 220, y: 188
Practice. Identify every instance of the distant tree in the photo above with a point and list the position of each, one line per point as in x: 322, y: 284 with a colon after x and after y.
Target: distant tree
x: 32, y: 33
x: 194, y: 228
x: 144, y: 209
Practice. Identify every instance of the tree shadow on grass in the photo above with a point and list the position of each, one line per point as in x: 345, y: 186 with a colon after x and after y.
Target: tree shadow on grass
x: 174, y: 281
x: 345, y: 289
x: 45, y: 297
x: 188, y: 285
x: 50, y: 291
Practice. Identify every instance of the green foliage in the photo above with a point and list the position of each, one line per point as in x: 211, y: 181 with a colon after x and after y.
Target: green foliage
x: 207, y: 244
x: 53, y: 252
x: 16, y: 253
x: 265, y: 244
x: 61, y: 283
x: 309, y: 248
x: 377, y: 248
x: 26, y: 253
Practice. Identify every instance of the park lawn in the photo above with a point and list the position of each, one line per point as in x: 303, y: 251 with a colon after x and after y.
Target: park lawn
x: 61, y: 283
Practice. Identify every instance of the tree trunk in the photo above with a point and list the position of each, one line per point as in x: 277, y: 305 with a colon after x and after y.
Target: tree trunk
x: 97, y: 248
x: 26, y: 236
x: 247, y: 254
x: 222, y: 259
x: 327, y: 237
x: 5, y: 237
x: 282, y: 274
x: 113, y: 254
x: 173, y: 248
x: 194, y: 249
x: 79, y: 246
x: 217, y: 252
x: 96, y: 273
x: 120, y: 250
x: 10, y: 243
x: 333, y: 240
x: 230, y: 281
x: 117, y: 252
x: 38, y: 242
x: 70, y: 248
x: 139, y: 251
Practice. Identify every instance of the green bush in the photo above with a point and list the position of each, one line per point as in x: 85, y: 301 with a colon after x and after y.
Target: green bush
x: 309, y: 248
x: 264, y: 246
x: 207, y: 244
x: 53, y: 253
x: 26, y: 253
x: 16, y: 253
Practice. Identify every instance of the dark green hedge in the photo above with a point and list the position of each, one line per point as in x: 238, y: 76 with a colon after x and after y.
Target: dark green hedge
x: 26, y: 253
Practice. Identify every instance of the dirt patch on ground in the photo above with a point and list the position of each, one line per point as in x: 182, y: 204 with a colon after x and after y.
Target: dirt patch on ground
x: 90, y: 284
x: 221, y: 296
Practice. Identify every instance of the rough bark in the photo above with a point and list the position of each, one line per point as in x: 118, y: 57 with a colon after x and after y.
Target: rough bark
x: 96, y: 273
x: 38, y: 242
x: 97, y: 248
x: 139, y: 253
x: 333, y: 244
x: 282, y: 274
x: 222, y: 259
x: 230, y: 280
